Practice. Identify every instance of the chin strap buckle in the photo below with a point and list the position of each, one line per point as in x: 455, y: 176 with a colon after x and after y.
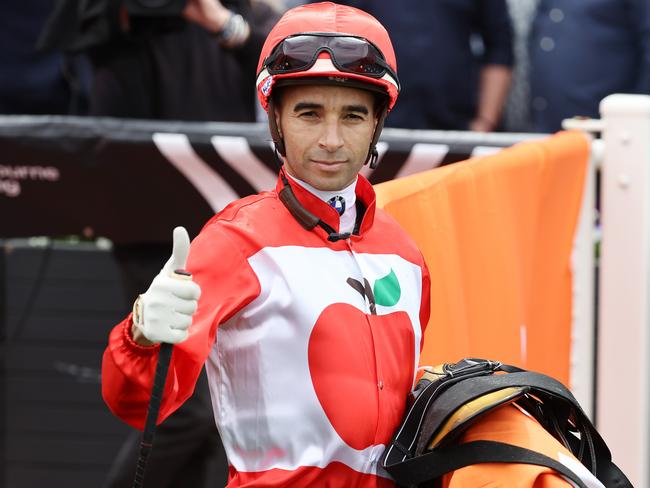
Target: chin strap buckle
x: 374, y: 158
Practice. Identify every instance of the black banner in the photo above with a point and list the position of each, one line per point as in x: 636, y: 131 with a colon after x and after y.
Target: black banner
x: 133, y: 180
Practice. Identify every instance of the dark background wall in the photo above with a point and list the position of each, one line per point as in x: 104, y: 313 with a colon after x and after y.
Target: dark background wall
x: 58, y: 302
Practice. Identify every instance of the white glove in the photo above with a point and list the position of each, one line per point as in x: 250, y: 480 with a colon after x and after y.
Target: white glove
x: 164, y: 312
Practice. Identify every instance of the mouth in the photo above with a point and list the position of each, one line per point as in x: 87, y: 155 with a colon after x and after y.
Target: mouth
x: 328, y: 165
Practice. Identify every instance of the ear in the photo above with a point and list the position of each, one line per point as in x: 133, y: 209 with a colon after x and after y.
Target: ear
x: 274, y: 122
x: 377, y: 111
x: 276, y: 115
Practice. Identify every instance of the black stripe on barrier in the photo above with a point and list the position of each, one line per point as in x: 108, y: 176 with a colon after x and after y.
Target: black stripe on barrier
x: 389, y: 166
x: 237, y: 181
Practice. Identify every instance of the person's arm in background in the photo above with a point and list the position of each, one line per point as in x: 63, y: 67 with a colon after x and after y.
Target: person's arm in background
x: 214, y: 17
x: 496, y: 72
x: 247, y: 38
x: 494, y: 82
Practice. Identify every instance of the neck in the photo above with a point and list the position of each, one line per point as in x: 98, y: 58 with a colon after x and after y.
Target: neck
x: 325, y: 195
x: 348, y: 217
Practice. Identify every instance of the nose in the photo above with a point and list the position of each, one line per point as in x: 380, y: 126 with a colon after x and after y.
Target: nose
x: 330, y: 138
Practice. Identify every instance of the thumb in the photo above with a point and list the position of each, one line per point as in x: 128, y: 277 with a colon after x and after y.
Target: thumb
x: 180, y: 250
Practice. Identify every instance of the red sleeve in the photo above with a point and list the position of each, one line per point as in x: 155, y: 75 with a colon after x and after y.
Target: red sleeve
x: 227, y: 284
x: 425, y: 306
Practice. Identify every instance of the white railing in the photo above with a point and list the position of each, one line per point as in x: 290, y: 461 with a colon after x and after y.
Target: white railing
x: 622, y: 338
x: 583, y: 334
x: 623, y: 382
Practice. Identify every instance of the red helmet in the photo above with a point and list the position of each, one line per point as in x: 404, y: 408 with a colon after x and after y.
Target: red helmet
x: 334, y: 43
x: 326, y: 43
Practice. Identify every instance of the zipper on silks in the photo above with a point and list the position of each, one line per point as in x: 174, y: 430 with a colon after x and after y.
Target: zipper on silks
x: 370, y: 309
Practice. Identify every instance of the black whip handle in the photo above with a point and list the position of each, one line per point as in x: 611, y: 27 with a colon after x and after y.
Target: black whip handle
x: 162, y: 366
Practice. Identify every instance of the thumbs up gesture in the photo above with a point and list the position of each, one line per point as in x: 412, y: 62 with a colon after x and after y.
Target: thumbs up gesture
x: 164, y: 312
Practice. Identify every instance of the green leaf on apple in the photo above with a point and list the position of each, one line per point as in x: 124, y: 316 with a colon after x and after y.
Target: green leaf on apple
x: 387, y: 290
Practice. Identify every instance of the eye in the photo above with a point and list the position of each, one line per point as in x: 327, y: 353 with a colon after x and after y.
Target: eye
x: 353, y: 116
x: 310, y: 114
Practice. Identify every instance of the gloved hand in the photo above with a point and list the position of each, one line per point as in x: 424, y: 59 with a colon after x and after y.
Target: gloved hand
x: 164, y: 312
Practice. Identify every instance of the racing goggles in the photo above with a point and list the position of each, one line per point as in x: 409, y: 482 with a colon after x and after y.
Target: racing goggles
x: 348, y: 53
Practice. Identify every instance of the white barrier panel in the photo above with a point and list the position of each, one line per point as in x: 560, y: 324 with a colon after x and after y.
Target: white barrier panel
x: 623, y: 393
x: 583, y: 299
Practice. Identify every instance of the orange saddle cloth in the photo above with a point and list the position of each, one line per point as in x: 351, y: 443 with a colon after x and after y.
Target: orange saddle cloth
x: 511, y: 425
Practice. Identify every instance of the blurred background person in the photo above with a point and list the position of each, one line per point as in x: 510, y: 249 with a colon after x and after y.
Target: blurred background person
x: 582, y: 51
x: 195, y: 71
x: 516, y: 114
x: 32, y: 81
x: 455, y: 60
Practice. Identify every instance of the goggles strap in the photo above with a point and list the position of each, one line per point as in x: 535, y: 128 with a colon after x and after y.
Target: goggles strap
x: 325, y: 46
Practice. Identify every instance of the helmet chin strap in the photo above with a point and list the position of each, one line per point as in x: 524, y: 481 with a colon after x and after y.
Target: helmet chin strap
x: 308, y: 220
x: 373, y: 155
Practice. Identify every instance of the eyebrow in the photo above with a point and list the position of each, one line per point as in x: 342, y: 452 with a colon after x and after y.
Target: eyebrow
x: 348, y: 108
x: 356, y: 108
x: 306, y: 106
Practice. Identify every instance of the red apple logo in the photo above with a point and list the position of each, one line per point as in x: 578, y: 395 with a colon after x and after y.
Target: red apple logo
x: 362, y: 364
